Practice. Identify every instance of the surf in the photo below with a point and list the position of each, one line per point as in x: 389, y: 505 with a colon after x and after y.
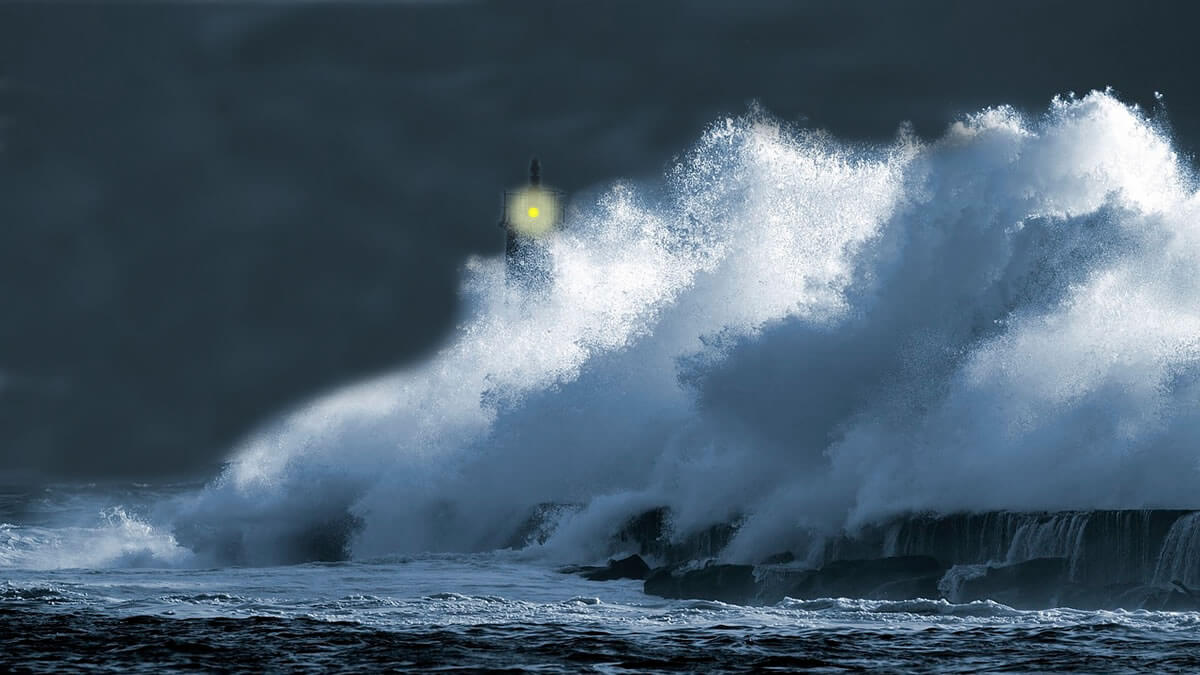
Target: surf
x: 789, y: 331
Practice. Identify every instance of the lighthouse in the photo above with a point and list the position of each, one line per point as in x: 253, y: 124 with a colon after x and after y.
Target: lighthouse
x: 531, y: 214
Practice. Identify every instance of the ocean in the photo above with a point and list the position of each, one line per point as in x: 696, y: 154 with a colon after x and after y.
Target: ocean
x: 509, y: 611
x: 873, y: 363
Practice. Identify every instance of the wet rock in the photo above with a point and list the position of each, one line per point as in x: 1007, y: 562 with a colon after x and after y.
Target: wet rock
x: 909, y: 589
x: 646, y: 532
x: 899, y: 578
x: 1111, y: 596
x: 539, y: 524
x: 780, y: 558
x: 582, y: 570
x: 776, y: 583
x: 649, y: 533
x: 1178, y: 598
x: 1116, y: 558
x: 1033, y: 584
x: 632, y: 567
x: 663, y: 582
x: 894, y: 578
x: 734, y: 584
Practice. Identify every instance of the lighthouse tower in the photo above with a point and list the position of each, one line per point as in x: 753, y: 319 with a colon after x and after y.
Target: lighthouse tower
x: 531, y: 214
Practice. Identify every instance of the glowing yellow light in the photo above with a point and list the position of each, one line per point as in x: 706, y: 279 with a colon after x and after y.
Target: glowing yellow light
x: 532, y: 211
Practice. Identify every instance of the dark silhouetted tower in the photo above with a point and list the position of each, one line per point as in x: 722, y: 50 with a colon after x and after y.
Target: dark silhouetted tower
x: 530, y: 214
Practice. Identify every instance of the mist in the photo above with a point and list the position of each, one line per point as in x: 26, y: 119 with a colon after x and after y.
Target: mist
x: 796, y: 332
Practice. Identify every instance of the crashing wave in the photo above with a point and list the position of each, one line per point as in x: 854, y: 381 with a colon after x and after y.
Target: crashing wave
x: 792, y: 330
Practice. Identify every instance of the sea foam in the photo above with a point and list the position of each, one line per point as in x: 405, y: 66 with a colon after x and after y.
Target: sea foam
x: 805, y: 333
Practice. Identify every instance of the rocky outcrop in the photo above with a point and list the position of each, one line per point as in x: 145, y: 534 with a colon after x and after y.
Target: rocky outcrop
x: 779, y: 558
x: 884, y: 579
x: 540, y: 523
x: 632, y: 567
x: 1087, y: 559
x: 1100, y: 547
x: 893, y: 578
x: 734, y: 584
x: 649, y: 534
x: 1031, y: 584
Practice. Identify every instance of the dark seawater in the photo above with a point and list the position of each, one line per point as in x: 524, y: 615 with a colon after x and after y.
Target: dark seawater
x: 42, y: 632
x: 118, y: 594
x: 52, y: 642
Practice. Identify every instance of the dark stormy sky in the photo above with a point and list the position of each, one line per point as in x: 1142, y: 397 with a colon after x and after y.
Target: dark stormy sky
x: 209, y: 212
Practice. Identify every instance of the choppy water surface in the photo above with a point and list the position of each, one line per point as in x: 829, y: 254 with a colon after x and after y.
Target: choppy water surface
x: 497, y: 611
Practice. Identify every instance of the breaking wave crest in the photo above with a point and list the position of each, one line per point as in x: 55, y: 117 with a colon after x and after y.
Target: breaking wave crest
x: 116, y: 539
x: 804, y: 333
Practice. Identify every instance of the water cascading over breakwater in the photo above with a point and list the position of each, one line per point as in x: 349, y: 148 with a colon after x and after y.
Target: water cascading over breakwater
x: 1101, y: 547
x: 803, y: 333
